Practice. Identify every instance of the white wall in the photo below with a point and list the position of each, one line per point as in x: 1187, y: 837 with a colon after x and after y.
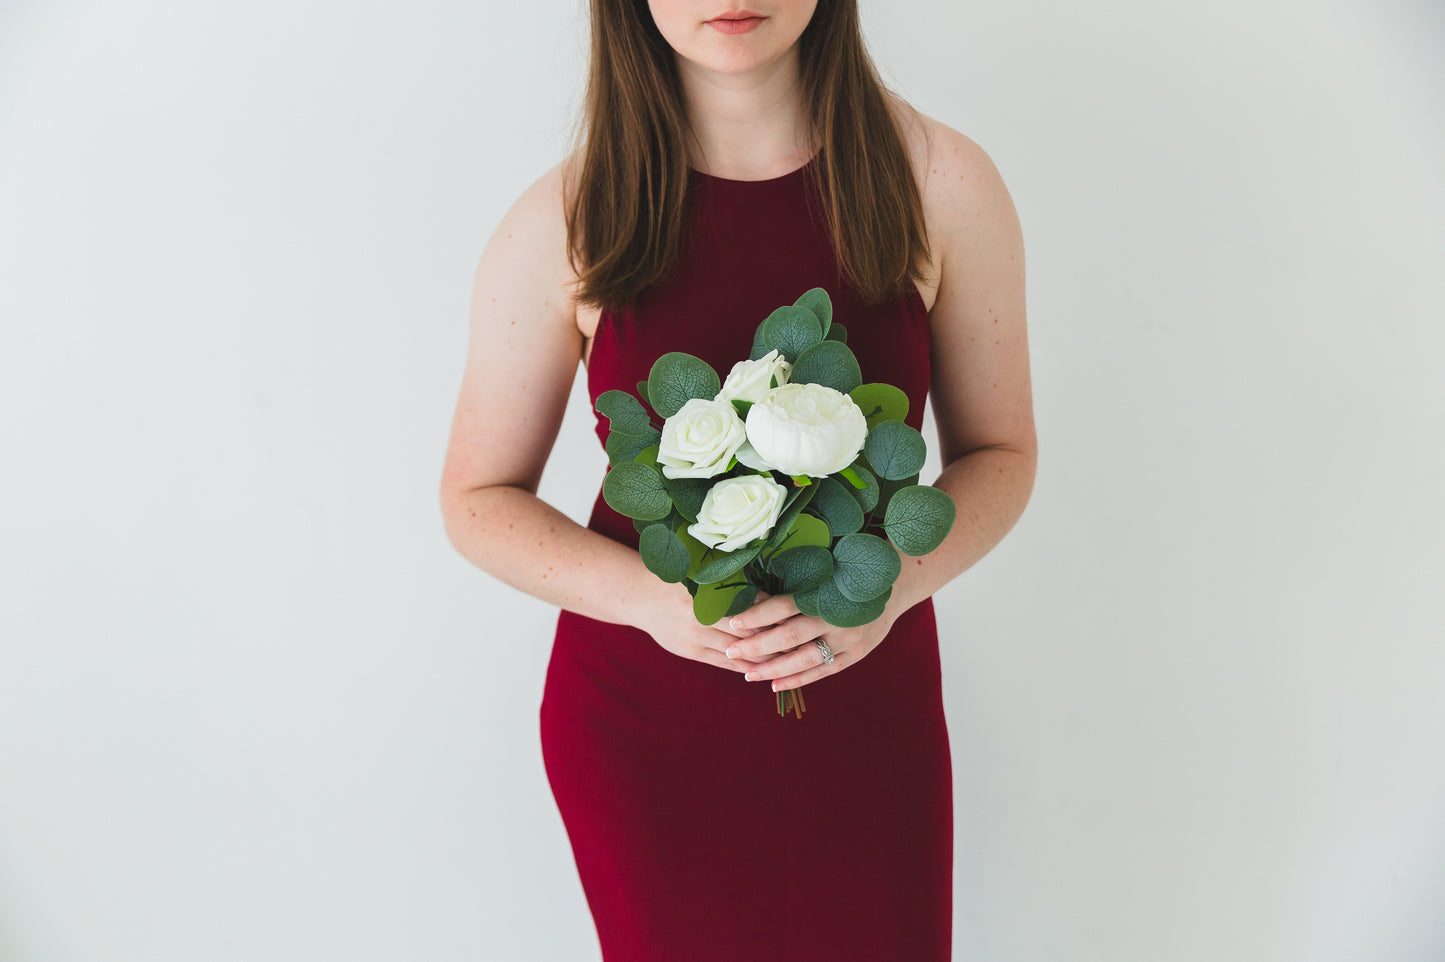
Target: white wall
x: 253, y: 707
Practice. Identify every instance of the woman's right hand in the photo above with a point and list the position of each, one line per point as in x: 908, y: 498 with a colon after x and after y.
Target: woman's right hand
x: 670, y: 621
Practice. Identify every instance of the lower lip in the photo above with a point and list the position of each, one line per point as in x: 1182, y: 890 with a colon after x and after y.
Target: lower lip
x: 735, y: 26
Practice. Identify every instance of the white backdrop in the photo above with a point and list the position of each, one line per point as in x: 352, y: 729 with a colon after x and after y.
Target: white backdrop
x: 254, y: 707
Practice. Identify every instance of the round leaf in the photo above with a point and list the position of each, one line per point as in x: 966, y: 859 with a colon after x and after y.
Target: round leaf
x: 717, y: 565
x: 830, y: 363
x: 624, y: 413
x: 919, y: 518
x: 880, y: 402
x: 807, y: 529
x: 838, y: 333
x: 792, y: 330
x: 836, y: 506
x: 837, y: 609
x: 895, y: 450
x: 801, y: 569
x: 864, y: 566
x: 818, y: 301
x: 663, y: 553
x: 713, y: 602
x: 636, y: 490
x: 677, y: 378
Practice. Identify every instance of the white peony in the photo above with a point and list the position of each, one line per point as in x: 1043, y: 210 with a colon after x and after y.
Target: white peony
x: 736, y: 511
x: 804, y: 429
x: 750, y: 380
x: 699, y: 441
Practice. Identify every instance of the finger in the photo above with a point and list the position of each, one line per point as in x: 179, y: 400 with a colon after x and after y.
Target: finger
x: 782, y: 637
x: 806, y: 656
x: 765, y: 612
x: 712, y: 656
x: 840, y: 661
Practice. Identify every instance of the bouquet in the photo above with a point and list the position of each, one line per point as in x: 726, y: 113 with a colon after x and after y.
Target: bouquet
x: 791, y: 475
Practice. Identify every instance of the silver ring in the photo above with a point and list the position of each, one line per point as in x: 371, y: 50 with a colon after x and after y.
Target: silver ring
x: 827, y: 652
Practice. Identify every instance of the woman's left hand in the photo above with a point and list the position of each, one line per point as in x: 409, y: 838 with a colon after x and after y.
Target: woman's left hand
x: 796, y: 660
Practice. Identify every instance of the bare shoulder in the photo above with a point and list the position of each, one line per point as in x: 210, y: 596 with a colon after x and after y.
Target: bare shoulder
x: 957, y: 181
x: 981, y: 388
x: 523, y: 347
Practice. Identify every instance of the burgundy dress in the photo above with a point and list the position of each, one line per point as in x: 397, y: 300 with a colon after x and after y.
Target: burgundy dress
x: 705, y: 827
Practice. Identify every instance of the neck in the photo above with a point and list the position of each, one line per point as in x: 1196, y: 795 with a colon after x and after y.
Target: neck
x: 748, y: 126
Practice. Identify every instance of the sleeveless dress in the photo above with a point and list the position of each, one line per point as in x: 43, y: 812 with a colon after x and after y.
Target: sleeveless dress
x: 705, y: 827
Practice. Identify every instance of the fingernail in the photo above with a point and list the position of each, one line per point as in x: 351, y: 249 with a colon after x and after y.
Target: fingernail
x: 775, y: 686
x: 735, y: 624
x: 733, y: 652
x: 751, y: 676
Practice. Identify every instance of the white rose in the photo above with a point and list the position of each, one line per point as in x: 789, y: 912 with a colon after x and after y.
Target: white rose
x: 736, y: 511
x: 699, y: 441
x: 750, y: 380
x: 804, y: 429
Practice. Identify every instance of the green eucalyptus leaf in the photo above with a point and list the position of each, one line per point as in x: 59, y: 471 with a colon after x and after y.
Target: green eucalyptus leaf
x: 807, y: 601
x: 839, y: 610
x: 806, y: 529
x: 918, y: 518
x: 624, y: 413
x: 719, y: 564
x: 887, y: 488
x: 895, y: 450
x: 867, y: 495
x: 642, y: 392
x: 677, y: 378
x: 802, y: 568
x: 714, y: 602
x: 830, y: 363
x: 864, y: 565
x: 838, y: 333
x: 818, y: 301
x: 792, y: 330
x: 793, y: 506
x: 880, y: 402
x: 625, y: 447
x: 688, y: 493
x: 835, y: 505
x: 636, y: 491
x: 663, y: 553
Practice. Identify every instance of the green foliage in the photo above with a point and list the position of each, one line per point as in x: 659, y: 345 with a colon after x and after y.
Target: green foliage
x: 642, y: 392
x: 792, y: 330
x: 624, y: 412
x: 807, y: 601
x: 688, y: 493
x: 887, y: 488
x: 663, y: 553
x: 626, y: 447
x: 718, y: 565
x: 636, y: 491
x: 793, y: 506
x: 918, y: 518
x: 806, y: 529
x: 837, y: 609
x: 895, y: 450
x: 864, y: 566
x: 677, y: 378
x: 836, y: 506
x: 880, y: 402
x: 838, y: 333
x: 818, y: 301
x: 830, y: 363
x: 867, y: 494
x: 801, y: 569
x: 713, y: 602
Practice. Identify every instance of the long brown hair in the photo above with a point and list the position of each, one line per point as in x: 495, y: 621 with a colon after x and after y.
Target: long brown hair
x: 625, y: 208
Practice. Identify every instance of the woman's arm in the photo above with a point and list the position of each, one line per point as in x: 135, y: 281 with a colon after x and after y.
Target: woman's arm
x: 523, y: 352
x: 982, y: 404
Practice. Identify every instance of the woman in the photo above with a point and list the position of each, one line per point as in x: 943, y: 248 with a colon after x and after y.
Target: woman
x: 733, y: 159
